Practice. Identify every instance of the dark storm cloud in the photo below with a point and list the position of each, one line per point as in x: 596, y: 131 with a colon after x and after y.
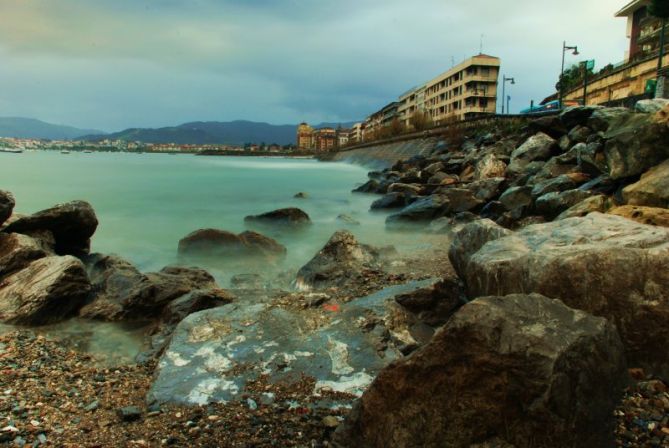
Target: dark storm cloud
x: 114, y: 64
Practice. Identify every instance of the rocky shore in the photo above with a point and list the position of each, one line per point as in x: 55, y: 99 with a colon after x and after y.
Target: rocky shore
x: 542, y: 319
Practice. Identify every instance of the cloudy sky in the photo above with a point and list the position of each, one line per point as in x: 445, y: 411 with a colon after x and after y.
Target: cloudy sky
x: 112, y: 64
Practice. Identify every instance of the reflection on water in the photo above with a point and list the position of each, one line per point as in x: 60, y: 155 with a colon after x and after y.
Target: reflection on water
x: 111, y: 344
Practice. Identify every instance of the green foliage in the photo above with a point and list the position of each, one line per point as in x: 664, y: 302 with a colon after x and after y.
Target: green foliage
x: 573, y: 77
x: 659, y: 8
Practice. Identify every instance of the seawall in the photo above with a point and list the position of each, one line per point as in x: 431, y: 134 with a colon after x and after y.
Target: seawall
x: 385, y: 155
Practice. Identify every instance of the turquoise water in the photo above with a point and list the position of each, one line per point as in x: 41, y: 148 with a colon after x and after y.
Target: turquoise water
x: 147, y: 202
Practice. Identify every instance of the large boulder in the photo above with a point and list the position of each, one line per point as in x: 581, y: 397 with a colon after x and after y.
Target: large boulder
x: 599, y: 203
x: 523, y: 368
x: 651, y: 106
x: 516, y: 197
x: 471, y: 239
x: 652, y: 189
x: 488, y: 167
x: 601, y: 119
x: 7, y: 204
x: 18, y: 251
x: 634, y: 144
x: 72, y: 225
x: 653, y: 216
x: 606, y: 265
x: 47, y: 290
x: 435, y: 303
x: 214, y: 243
x: 390, y: 200
x: 215, y: 354
x: 539, y: 147
x: 285, y: 216
x: 339, y: 262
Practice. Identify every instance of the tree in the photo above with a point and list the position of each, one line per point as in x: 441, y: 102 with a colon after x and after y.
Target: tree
x: 660, y: 9
x: 420, y: 120
x: 572, y: 77
x: 396, y: 127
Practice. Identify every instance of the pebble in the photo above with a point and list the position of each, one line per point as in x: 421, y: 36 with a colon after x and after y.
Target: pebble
x: 129, y: 413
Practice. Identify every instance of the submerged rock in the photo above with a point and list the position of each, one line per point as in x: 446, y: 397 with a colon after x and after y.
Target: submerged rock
x: 286, y: 216
x: 214, y: 243
x: 525, y: 362
x: 606, y: 265
x: 341, y: 260
x: 72, y: 225
x: 7, y: 204
x: 47, y: 290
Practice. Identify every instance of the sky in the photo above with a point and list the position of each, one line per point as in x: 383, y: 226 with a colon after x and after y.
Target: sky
x: 114, y: 64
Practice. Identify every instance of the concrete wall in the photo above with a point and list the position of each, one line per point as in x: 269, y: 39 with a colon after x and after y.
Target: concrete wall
x: 385, y: 155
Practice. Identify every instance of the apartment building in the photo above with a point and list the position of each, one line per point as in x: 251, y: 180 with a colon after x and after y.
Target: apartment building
x: 411, y: 102
x: 305, y: 136
x: 324, y: 139
x: 643, y: 29
x: 469, y: 89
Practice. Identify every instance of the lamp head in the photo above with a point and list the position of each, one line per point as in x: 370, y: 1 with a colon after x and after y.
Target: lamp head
x: 513, y: 81
x: 576, y: 53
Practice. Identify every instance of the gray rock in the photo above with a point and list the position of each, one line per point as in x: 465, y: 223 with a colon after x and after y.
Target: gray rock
x: 579, y: 134
x: 526, y: 362
x: 486, y: 189
x: 410, y: 189
x: 347, y: 219
x: 341, y: 260
x: 601, y: 119
x: 489, y: 167
x: 371, y: 186
x: 247, y: 281
x: 635, y: 145
x: 579, y: 115
x: 557, y: 184
x: 72, y: 225
x: 552, y: 204
x: 539, y: 147
x: 434, y: 168
x: 606, y: 265
x: 652, y: 189
x: 435, y: 303
x: 650, y: 106
x: 129, y: 413
x: 516, y: 197
x: 460, y: 200
x: 7, y: 204
x: 47, y: 290
x: 388, y: 201
x: 422, y: 211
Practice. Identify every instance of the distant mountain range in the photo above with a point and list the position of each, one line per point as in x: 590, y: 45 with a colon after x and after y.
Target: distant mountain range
x: 212, y: 132
x: 30, y: 128
x: 198, y: 132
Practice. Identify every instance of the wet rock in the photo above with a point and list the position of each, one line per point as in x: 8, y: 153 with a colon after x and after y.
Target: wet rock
x: 652, y: 189
x: 72, y: 225
x: 347, y: 219
x: 407, y: 189
x: 634, y: 145
x: 301, y: 195
x: 341, y: 260
x: 421, y: 211
x: 214, y: 243
x: 516, y: 197
x: 523, y: 361
x: 286, y: 216
x: 579, y: 134
x: 390, y: 200
x: 470, y: 240
x: 193, y: 302
x: 18, y: 251
x: 653, y: 216
x: 460, y: 200
x: 539, y: 147
x: 552, y: 204
x: 47, y: 290
x: 606, y: 265
x: 599, y: 203
x: 215, y: 353
x: 247, y: 281
x: 7, y: 204
x: 557, y: 184
x: 371, y: 186
x: 436, y: 303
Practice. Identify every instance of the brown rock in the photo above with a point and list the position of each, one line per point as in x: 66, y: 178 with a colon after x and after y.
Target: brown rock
x: 645, y: 215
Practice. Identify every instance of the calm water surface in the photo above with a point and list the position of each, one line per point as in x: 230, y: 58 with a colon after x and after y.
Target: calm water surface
x: 147, y: 202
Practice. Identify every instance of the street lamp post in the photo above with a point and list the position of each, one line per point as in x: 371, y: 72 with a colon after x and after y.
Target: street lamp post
x: 504, y: 81
x: 565, y: 48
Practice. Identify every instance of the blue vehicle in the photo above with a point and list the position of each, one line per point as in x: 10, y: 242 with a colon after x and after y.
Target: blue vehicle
x: 548, y: 107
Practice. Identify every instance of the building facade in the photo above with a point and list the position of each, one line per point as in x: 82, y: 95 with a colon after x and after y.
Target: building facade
x: 643, y: 30
x: 305, y: 136
x: 325, y: 139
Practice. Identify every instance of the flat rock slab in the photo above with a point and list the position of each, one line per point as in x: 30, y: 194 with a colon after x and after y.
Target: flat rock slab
x: 606, y: 265
x: 214, y: 353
